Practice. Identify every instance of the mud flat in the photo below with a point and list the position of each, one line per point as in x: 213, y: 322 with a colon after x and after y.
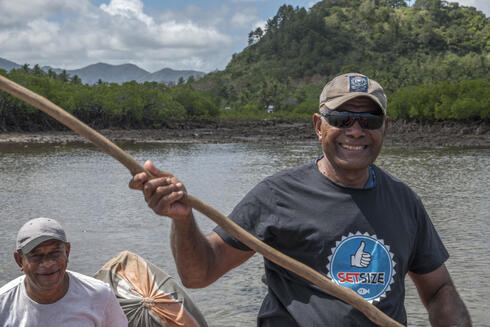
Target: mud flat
x: 399, y: 133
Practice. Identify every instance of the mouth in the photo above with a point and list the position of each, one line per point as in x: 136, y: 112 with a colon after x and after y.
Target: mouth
x: 355, y: 148
x: 48, y: 275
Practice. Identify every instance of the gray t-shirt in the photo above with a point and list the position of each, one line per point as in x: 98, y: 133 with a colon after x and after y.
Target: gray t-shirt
x: 87, y: 303
x: 364, y: 239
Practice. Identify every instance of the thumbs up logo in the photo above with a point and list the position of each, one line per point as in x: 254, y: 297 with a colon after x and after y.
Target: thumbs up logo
x: 360, y: 259
x: 363, y: 263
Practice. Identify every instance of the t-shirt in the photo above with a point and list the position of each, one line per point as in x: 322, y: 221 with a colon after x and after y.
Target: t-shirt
x: 365, y: 239
x: 88, y: 302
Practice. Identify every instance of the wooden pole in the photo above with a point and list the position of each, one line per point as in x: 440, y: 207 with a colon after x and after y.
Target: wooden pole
x: 343, y: 293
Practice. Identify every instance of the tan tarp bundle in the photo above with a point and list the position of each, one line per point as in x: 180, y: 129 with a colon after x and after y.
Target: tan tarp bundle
x: 148, y: 296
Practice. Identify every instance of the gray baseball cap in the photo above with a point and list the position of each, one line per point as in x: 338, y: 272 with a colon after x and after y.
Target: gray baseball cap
x: 38, y: 230
x: 349, y: 86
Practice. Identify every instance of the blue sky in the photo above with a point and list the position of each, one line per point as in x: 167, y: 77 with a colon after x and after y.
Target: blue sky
x: 184, y: 34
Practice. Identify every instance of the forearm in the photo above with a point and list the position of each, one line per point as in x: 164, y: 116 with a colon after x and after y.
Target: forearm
x: 192, y: 253
x: 447, y: 309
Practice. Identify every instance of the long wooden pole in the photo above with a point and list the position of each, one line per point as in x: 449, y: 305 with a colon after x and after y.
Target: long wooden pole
x: 343, y: 293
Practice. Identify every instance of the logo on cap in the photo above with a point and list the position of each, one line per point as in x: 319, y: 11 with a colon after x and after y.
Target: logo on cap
x: 358, y: 84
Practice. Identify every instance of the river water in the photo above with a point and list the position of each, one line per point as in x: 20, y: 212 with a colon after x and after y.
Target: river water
x: 87, y: 192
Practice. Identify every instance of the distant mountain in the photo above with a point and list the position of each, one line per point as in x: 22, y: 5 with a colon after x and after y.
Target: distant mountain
x: 167, y: 75
x: 116, y: 73
x: 105, y: 72
x: 8, y: 65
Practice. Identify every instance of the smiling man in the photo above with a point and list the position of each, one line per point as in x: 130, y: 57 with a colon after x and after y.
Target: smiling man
x: 48, y: 294
x: 339, y: 214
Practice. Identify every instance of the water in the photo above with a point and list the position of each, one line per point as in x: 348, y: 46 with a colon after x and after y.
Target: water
x: 87, y: 192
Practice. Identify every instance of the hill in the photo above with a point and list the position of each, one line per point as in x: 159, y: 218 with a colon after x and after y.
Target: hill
x: 8, y: 65
x: 168, y: 75
x: 115, y: 73
x: 287, y: 63
x: 108, y: 73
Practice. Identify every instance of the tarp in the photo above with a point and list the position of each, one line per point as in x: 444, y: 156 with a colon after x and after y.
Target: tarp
x: 149, y: 296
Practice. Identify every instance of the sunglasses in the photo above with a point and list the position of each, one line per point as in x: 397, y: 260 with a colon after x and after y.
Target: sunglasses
x: 345, y: 119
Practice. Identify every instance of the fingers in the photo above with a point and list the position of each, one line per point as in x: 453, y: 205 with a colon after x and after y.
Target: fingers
x: 158, y: 187
x: 164, y: 197
x: 162, y: 194
x: 162, y: 191
x: 140, y: 179
x: 164, y: 185
x: 155, y: 171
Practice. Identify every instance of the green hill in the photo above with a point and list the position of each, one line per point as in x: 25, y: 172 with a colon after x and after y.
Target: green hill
x: 286, y: 64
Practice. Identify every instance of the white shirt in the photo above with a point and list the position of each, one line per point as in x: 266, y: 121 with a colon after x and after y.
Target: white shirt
x: 87, y: 303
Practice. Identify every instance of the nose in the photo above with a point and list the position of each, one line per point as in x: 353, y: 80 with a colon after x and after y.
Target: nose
x: 47, y: 262
x: 355, y: 130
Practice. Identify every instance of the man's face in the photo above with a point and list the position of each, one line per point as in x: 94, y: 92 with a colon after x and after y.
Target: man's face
x: 353, y: 148
x: 45, y: 265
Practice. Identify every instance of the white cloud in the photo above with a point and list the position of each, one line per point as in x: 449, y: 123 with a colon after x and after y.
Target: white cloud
x: 128, y: 9
x: 117, y: 32
x: 244, y: 18
x: 261, y: 23
x: 482, y: 5
x: 18, y: 11
x: 247, y: 1
x: 72, y: 34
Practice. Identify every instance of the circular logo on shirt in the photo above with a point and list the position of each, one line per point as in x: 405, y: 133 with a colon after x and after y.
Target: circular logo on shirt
x: 364, y: 264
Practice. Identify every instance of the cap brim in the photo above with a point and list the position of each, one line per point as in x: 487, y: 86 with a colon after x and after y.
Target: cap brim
x: 35, y: 242
x: 338, y: 101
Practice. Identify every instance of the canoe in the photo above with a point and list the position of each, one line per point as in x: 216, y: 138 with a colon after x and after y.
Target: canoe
x: 149, y: 296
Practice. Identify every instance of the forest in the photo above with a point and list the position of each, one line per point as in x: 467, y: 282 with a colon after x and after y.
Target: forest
x: 432, y: 59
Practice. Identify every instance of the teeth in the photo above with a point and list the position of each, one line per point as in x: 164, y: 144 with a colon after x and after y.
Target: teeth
x: 353, y: 147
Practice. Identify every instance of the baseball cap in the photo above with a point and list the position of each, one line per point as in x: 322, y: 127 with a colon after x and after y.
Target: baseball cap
x: 38, y: 230
x: 349, y: 86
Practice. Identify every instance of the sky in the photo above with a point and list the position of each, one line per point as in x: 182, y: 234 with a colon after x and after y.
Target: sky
x: 152, y: 34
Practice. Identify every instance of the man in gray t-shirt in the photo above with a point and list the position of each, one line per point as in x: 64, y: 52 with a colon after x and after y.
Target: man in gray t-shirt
x: 340, y: 215
x: 346, y: 234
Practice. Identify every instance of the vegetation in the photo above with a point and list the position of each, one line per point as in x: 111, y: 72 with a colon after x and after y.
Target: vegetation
x: 468, y: 99
x: 432, y: 59
x: 130, y: 105
x: 399, y: 46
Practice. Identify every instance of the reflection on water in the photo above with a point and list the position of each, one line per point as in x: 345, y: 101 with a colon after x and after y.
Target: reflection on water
x: 87, y: 192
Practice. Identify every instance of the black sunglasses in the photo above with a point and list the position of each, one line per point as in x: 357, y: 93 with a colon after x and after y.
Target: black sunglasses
x: 345, y: 119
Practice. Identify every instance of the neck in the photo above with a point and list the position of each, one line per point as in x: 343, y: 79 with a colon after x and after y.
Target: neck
x: 46, y: 296
x: 347, y: 178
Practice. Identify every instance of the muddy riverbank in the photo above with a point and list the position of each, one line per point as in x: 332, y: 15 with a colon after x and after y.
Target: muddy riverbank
x: 400, y: 133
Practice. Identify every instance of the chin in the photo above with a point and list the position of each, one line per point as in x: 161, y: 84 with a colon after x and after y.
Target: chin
x: 52, y: 280
x: 354, y: 165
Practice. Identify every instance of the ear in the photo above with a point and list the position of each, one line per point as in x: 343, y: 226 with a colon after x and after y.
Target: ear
x: 386, y: 125
x: 317, y: 124
x: 18, y: 260
x: 67, y: 249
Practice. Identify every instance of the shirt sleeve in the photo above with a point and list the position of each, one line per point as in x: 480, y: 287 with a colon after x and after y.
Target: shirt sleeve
x: 254, y: 213
x: 113, y: 314
x: 429, y: 252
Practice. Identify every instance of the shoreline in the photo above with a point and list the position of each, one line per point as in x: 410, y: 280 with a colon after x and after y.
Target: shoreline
x: 400, y: 133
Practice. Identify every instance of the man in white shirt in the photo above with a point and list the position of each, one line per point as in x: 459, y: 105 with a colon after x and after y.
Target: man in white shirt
x: 49, y: 295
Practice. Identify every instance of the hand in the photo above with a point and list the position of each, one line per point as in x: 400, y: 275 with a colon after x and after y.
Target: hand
x: 360, y: 259
x: 163, y: 192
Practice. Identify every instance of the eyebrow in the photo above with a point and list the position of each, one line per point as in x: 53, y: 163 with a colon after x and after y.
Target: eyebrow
x: 375, y: 109
x: 57, y: 247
